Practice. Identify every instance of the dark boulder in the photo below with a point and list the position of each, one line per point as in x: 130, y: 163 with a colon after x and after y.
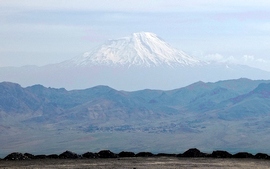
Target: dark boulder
x: 221, y: 154
x: 144, y: 154
x: 261, y: 156
x: 16, y: 156
x: 179, y: 155
x: 242, y: 155
x: 53, y: 156
x: 89, y: 155
x: 193, y: 152
x: 126, y: 154
x: 165, y: 155
x: 41, y: 156
x: 106, y: 154
x: 30, y: 156
x: 68, y: 155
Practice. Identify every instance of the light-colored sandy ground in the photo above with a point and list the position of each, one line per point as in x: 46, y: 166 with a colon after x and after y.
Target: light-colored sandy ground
x: 139, y: 163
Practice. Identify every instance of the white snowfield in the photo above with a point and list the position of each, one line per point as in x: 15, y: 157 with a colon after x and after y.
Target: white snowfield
x: 139, y: 49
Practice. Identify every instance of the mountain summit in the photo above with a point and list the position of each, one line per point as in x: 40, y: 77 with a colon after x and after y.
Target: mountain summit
x: 140, y: 61
x: 140, y: 49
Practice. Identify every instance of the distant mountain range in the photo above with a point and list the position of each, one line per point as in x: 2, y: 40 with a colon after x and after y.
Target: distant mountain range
x: 231, y: 115
x: 136, y: 62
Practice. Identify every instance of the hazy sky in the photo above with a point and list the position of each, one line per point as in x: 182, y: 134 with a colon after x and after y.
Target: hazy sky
x: 39, y: 32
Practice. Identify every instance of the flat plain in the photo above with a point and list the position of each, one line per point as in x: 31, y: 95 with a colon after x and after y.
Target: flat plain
x: 138, y: 163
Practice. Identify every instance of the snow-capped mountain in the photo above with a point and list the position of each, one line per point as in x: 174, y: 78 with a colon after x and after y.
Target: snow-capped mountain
x: 137, y: 62
x: 140, y: 49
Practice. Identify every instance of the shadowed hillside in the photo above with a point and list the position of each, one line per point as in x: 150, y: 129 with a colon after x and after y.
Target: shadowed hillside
x: 234, y: 112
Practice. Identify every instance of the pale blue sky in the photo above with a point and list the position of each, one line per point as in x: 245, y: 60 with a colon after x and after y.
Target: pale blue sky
x: 39, y: 32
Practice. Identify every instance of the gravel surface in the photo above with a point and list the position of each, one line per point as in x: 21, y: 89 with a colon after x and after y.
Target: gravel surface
x: 138, y: 163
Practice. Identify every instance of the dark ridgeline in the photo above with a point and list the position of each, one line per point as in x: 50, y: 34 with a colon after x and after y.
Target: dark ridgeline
x: 165, y: 155
x: 52, y: 156
x: 144, y: 154
x: 30, y: 156
x: 221, y: 154
x: 16, y: 156
x: 106, y: 154
x: 40, y: 156
x: 193, y: 152
x: 261, y: 156
x: 190, y: 153
x: 68, y: 155
x: 243, y: 155
x: 90, y: 155
x: 126, y: 154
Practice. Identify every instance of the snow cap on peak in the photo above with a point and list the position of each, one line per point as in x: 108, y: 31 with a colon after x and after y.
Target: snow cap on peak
x: 139, y: 49
x: 143, y: 34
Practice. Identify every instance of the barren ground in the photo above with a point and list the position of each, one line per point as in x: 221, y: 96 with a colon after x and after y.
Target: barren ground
x: 139, y: 163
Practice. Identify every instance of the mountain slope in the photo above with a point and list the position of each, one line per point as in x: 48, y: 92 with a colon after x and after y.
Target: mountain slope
x: 139, y: 49
x: 48, y: 120
x: 197, y: 97
x: 249, y: 105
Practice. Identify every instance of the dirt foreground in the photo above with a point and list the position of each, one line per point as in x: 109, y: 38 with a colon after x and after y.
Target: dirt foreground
x: 138, y: 163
